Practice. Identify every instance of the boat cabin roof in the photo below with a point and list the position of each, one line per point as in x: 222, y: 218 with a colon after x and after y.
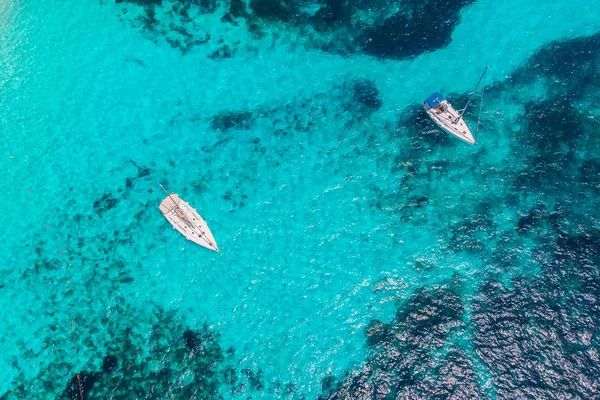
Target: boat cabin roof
x: 434, y: 99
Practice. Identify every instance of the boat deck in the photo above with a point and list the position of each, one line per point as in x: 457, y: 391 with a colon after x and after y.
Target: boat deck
x: 444, y: 115
x: 187, y: 221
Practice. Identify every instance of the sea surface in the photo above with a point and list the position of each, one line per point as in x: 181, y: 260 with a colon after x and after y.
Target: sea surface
x: 364, y: 253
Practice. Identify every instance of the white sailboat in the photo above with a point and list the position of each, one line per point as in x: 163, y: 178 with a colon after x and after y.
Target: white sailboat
x: 448, y: 118
x: 187, y: 221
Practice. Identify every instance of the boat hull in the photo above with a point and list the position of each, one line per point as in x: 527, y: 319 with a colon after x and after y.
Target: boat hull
x: 449, y: 120
x: 187, y: 221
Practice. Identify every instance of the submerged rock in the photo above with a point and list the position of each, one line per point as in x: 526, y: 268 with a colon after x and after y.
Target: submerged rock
x: 237, y: 9
x: 222, y: 53
x: 105, y: 203
x: 377, y: 333
x: 366, y: 94
x: 334, y: 12
x: 327, y: 384
x: 531, y: 219
x: 141, y: 2
x: 417, y: 201
x: 109, y: 364
x: 206, y: 6
x: 570, y: 64
x: 255, y: 378
x: 142, y: 172
x: 271, y: 10
x: 228, y: 18
x: 535, y: 337
x: 231, y: 120
x: 402, y: 361
x: 418, y: 27
x: 80, y: 385
x: 192, y: 340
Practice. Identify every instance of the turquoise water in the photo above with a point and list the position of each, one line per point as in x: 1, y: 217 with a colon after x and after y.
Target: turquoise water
x: 330, y: 212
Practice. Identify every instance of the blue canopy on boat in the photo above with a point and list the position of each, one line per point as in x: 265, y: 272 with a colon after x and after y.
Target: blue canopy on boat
x: 434, y: 99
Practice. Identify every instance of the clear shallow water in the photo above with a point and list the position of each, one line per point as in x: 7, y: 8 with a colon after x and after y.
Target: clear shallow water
x: 330, y: 214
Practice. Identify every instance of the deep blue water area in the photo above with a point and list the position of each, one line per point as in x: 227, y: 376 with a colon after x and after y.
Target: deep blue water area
x: 365, y: 254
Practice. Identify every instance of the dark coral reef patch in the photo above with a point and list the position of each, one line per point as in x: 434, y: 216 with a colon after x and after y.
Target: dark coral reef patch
x: 526, y: 336
x: 418, y: 27
x: 80, y: 385
x: 174, y: 23
x: 337, y: 26
x: 170, y: 363
x: 408, y: 359
x: 365, y: 93
x: 537, y: 336
x: 226, y: 121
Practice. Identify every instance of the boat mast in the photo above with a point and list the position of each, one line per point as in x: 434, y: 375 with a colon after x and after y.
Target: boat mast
x: 461, y: 112
x: 479, y: 116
